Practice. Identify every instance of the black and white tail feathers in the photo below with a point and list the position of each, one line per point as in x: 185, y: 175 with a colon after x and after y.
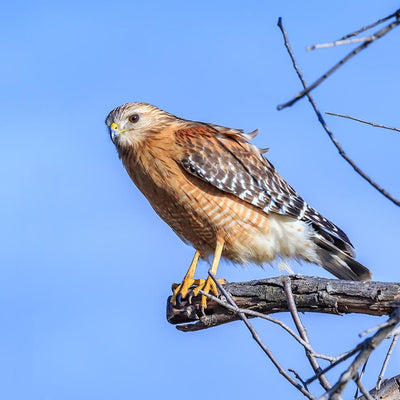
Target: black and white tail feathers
x: 337, y: 258
x: 334, y: 249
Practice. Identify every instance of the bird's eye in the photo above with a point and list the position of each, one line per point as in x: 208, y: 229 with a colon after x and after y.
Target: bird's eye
x: 134, y: 118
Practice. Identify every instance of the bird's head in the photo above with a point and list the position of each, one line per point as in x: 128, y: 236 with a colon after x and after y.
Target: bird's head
x: 132, y: 123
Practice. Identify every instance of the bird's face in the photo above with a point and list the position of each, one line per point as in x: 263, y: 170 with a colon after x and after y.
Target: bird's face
x: 132, y: 123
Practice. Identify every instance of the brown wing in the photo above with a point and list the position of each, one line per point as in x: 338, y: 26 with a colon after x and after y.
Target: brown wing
x: 227, y: 161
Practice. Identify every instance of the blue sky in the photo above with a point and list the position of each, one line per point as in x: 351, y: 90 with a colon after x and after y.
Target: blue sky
x: 87, y: 265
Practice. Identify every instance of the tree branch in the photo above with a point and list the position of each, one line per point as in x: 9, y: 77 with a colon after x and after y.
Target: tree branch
x: 390, y: 390
x: 326, y: 127
x: 303, y: 332
x: 363, y: 46
x: 362, y: 357
x: 363, y: 121
x: 267, y: 296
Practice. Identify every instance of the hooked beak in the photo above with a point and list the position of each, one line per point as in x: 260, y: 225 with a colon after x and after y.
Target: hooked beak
x: 114, y: 131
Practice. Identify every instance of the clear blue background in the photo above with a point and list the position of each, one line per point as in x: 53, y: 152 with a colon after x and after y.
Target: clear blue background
x: 86, y: 265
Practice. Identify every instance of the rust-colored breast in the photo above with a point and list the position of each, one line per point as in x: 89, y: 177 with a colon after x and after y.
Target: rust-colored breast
x: 197, y: 211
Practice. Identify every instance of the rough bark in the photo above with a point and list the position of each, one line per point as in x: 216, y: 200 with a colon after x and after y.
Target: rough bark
x: 390, y: 390
x: 267, y: 296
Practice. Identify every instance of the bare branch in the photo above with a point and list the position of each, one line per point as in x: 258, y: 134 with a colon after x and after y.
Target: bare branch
x: 363, y: 46
x: 252, y: 313
x: 358, y: 379
x: 298, y: 377
x: 303, y: 333
x: 385, y: 363
x: 366, y: 28
x: 329, y: 367
x: 293, y: 293
x: 370, y: 345
x: 360, y: 386
x: 327, y: 129
x: 373, y: 329
x: 364, y: 122
x: 345, y: 39
x: 389, y: 391
x: 267, y: 296
x: 257, y: 338
x: 339, y: 43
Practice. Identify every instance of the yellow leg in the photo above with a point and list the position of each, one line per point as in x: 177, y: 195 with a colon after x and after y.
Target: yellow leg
x: 209, y: 285
x: 188, y: 280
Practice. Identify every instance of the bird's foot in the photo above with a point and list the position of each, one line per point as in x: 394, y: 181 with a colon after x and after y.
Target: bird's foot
x: 181, y: 289
x: 206, y: 285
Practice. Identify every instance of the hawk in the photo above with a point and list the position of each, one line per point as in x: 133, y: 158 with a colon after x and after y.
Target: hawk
x: 220, y: 194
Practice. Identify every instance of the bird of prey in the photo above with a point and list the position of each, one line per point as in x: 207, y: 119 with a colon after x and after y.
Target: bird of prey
x: 220, y: 194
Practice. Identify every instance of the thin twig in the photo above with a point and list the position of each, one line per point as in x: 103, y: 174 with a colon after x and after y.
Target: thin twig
x: 366, y: 28
x: 374, y: 328
x: 329, y: 367
x: 364, y: 122
x: 369, y: 345
x: 298, y: 377
x: 345, y: 39
x: 253, y: 313
x: 308, y: 89
x: 360, y: 386
x: 385, y: 363
x: 302, y: 331
x: 358, y: 378
x: 394, y: 332
x: 339, y: 43
x: 325, y: 126
x: 257, y: 338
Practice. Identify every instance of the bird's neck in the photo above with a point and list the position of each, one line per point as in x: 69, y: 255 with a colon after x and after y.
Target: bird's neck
x: 149, y: 163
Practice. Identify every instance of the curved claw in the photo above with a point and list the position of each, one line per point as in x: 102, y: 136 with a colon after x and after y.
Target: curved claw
x: 181, y: 290
x: 207, y: 286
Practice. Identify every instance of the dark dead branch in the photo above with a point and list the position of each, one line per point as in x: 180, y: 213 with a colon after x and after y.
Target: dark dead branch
x: 390, y: 390
x: 267, y: 296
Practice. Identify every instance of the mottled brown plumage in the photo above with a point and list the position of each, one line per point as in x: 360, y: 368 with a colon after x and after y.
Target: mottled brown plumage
x: 212, y: 186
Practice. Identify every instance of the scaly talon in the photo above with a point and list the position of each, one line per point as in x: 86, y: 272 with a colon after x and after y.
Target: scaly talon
x: 207, y: 286
x: 187, y: 282
x: 183, y: 288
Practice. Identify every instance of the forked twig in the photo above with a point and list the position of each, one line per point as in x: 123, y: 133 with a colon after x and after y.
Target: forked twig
x: 329, y: 367
x: 257, y: 338
x: 363, y: 121
x: 368, y: 346
x: 303, y: 333
x: 362, y: 350
x: 346, y: 39
x: 360, y: 386
x: 298, y: 377
x: 307, y: 89
x: 253, y: 313
x: 325, y: 126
